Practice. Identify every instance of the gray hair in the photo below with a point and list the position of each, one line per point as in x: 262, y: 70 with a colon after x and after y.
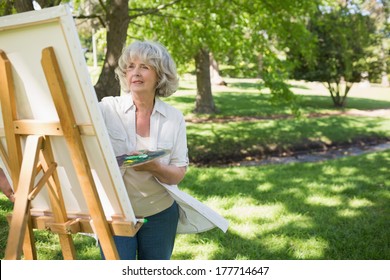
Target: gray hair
x: 155, y: 55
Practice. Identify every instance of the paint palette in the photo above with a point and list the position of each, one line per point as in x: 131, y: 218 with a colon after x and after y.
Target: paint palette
x: 142, y: 157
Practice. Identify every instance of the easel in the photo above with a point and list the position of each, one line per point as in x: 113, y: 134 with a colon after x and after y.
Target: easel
x: 38, y: 159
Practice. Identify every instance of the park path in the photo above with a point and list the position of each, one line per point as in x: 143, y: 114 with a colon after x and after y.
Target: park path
x: 310, y: 156
x: 316, y: 156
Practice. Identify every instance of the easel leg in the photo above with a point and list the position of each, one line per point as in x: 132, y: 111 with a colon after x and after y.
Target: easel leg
x: 57, y: 202
x: 22, y: 204
x: 29, y: 250
x: 77, y: 151
x: 14, y: 151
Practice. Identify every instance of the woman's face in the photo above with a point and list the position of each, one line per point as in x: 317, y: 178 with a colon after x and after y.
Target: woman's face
x: 142, y: 78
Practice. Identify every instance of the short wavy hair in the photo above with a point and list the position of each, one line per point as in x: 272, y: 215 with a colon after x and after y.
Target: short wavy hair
x: 155, y: 55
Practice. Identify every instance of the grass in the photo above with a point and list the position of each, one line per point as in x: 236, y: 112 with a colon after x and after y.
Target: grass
x: 242, y: 98
x: 210, y: 141
x: 334, y: 209
x: 328, y: 210
x: 237, y: 140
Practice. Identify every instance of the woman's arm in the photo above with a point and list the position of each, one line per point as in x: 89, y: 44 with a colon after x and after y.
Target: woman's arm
x: 168, y: 174
x: 6, y: 187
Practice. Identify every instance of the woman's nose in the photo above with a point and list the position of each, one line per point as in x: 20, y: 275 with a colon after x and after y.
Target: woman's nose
x: 136, y: 71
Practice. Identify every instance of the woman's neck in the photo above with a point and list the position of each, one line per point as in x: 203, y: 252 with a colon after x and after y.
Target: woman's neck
x: 144, y: 109
x: 144, y: 103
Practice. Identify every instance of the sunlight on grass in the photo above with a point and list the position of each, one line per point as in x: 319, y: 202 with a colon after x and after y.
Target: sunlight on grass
x: 242, y: 222
x: 312, y: 248
x: 340, y: 189
x: 264, y: 187
x: 358, y: 203
x: 190, y: 247
x: 348, y: 213
x: 244, y: 212
x: 324, y: 201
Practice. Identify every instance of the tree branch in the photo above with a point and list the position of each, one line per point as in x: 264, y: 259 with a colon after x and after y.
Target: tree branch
x: 103, y: 6
x: 93, y: 16
x: 155, y: 10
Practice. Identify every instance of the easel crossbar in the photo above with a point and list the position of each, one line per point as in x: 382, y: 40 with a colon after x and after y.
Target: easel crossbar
x: 80, y: 225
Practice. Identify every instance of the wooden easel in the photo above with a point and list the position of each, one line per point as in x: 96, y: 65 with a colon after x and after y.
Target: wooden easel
x: 37, y: 159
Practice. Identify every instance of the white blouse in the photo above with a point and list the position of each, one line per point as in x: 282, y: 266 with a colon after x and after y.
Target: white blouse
x: 167, y: 131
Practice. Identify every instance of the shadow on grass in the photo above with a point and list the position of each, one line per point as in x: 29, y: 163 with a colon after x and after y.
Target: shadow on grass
x: 244, y: 85
x: 330, y: 210
x: 224, y: 143
x: 256, y: 85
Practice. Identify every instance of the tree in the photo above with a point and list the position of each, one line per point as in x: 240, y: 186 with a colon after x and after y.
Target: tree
x: 114, y: 15
x: 117, y: 21
x: 204, y: 99
x: 235, y: 32
x: 215, y: 76
x: 343, y: 35
x: 379, y: 11
x: 191, y: 30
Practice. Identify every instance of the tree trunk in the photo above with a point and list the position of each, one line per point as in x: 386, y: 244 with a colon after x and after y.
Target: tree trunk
x: 215, y: 77
x: 22, y: 6
x: 27, y: 5
x: 335, y: 89
x: 384, y: 57
x: 47, y: 3
x: 204, y: 99
x: 118, y: 21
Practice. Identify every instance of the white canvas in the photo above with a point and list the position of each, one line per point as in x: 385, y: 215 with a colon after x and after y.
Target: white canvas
x: 22, y: 38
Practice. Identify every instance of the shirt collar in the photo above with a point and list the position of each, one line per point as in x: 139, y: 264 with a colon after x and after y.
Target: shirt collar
x: 159, y: 107
x: 128, y: 104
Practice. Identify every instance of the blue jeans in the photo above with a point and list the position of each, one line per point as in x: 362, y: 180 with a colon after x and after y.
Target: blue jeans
x: 153, y: 241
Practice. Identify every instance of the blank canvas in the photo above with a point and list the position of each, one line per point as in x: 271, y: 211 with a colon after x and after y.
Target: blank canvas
x: 22, y: 38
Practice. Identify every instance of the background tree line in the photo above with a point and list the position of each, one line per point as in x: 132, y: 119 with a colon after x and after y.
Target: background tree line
x: 337, y: 42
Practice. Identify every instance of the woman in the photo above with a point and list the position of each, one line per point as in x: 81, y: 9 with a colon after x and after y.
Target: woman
x: 143, y: 122
x: 139, y: 120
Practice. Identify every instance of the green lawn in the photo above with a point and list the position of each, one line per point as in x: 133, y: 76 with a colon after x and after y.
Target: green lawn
x: 337, y: 209
x: 278, y: 131
x: 242, y: 98
x: 333, y: 210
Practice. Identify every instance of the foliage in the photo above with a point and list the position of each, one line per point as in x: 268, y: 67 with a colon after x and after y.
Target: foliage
x: 6, y: 8
x: 249, y: 36
x: 379, y: 11
x: 343, y: 37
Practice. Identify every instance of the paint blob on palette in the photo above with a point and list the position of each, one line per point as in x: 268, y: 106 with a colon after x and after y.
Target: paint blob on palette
x: 141, y: 157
